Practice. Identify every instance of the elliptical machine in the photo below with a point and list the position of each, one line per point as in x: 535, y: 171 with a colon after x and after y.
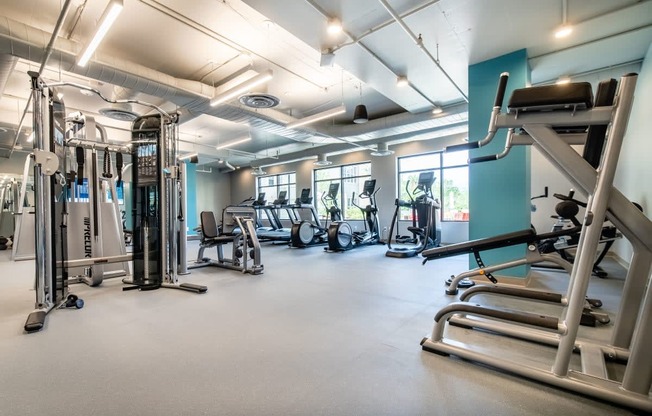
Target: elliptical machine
x: 307, y: 233
x: 341, y: 236
x: 424, y: 219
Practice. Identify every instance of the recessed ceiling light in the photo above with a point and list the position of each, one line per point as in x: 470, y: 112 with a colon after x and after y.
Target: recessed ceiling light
x: 563, y: 31
x: 563, y: 80
x: 334, y: 26
x: 401, y: 81
x: 437, y: 110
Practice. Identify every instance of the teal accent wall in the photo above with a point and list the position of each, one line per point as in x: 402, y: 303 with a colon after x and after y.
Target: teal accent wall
x: 191, y: 192
x: 129, y: 197
x: 499, y: 191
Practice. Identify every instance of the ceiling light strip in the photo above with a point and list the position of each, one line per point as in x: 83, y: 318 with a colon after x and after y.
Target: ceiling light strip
x: 109, y: 16
x: 233, y: 143
x: 243, y: 87
x: 316, y: 117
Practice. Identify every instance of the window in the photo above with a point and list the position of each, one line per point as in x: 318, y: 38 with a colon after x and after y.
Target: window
x: 272, y: 186
x: 451, y: 186
x: 350, y: 179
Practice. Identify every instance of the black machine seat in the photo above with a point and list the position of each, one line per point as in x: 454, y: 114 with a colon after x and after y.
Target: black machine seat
x: 575, y: 96
x: 210, y: 234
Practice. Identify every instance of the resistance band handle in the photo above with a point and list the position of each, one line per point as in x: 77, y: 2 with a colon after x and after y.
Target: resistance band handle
x: 483, y: 159
x: 463, y: 146
x: 107, y: 164
x: 118, y: 167
x: 79, y: 154
x: 502, y: 86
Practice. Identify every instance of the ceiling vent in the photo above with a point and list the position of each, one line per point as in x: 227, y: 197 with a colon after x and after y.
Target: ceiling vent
x: 121, y: 111
x: 259, y: 100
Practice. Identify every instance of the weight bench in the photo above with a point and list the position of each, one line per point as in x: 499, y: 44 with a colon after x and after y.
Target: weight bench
x: 240, y: 240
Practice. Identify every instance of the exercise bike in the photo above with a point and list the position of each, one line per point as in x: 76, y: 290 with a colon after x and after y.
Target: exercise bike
x: 308, y: 233
x: 567, y: 210
x: 424, y: 218
x: 341, y: 236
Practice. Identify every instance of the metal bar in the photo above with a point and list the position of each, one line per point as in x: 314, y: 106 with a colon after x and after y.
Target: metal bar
x: 419, y: 42
x: 183, y: 225
x: 92, y: 261
x: 47, y: 53
x: 592, y: 230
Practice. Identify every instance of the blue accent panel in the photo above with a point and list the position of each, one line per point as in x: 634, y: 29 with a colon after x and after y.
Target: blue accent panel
x: 129, y: 217
x: 191, y: 180
x: 499, y: 191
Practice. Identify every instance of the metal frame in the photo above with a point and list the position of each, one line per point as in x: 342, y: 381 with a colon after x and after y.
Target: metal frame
x: 632, y: 331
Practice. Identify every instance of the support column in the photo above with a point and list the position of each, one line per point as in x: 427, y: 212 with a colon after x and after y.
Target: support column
x: 499, y: 191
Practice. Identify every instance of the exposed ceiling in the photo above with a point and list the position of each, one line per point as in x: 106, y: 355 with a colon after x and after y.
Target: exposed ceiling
x: 179, y: 54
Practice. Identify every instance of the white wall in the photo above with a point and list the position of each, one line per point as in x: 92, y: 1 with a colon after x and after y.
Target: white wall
x: 634, y: 174
x: 545, y: 174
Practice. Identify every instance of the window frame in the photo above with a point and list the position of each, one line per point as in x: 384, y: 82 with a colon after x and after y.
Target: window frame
x: 439, y: 173
x: 278, y: 185
x: 342, y: 179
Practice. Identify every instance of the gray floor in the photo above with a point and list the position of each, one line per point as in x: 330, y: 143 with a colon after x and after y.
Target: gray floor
x: 316, y: 334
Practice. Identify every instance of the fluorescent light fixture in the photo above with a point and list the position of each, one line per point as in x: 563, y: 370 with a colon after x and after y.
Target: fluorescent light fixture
x: 563, y: 31
x: 191, y: 157
x: 437, y: 110
x: 322, y: 161
x: 563, y: 80
x: 334, y: 26
x: 383, y: 150
x: 243, y: 87
x: 233, y: 143
x: 316, y: 117
x: 30, y: 138
x: 401, y: 81
x: 111, y: 13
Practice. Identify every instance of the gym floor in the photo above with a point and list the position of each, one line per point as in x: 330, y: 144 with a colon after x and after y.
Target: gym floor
x: 316, y: 334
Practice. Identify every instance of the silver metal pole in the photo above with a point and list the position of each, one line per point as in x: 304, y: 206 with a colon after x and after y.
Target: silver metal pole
x: 183, y: 225
x: 595, y: 214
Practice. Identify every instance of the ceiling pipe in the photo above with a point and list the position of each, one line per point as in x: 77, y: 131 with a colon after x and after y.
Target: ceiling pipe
x: 419, y: 42
x: 193, y: 97
x: 385, y: 24
x: 46, y: 56
x: 355, y: 40
x: 219, y: 37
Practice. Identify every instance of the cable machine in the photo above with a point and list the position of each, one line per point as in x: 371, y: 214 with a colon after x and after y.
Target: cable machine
x: 156, y: 192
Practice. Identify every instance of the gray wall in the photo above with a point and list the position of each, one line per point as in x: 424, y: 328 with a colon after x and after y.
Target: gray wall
x: 213, y: 191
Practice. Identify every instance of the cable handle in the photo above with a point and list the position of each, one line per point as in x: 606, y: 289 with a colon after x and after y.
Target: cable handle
x: 79, y: 156
x: 481, y: 159
x: 502, y: 87
x: 119, y: 164
x: 107, y: 164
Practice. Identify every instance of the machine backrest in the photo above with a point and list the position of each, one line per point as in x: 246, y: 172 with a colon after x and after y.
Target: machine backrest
x: 596, y: 135
x: 208, y: 224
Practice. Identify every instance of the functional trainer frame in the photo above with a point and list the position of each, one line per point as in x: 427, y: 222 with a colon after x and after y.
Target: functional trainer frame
x: 632, y: 333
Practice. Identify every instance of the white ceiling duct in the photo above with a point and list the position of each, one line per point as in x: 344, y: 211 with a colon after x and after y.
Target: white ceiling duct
x: 28, y: 43
x: 7, y: 65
